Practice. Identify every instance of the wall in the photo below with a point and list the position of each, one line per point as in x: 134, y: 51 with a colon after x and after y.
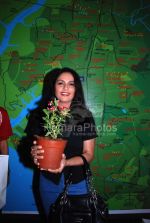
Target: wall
x: 107, y: 43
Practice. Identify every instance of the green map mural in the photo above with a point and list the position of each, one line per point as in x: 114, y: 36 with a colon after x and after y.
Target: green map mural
x: 108, y: 44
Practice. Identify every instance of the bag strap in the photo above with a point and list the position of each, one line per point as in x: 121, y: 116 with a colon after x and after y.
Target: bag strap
x: 98, y: 201
x: 88, y: 175
x: 86, y: 167
x: 87, y: 172
x: 95, y: 198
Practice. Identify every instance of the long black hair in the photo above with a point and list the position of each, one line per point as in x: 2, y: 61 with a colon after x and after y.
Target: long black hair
x: 78, y: 106
x: 48, y: 91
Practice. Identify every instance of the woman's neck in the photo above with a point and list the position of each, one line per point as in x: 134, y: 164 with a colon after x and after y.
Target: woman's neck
x: 64, y: 104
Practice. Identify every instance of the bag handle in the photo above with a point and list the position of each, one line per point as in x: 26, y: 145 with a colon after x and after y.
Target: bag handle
x: 88, y: 177
x: 86, y: 167
x: 86, y: 170
x: 95, y: 197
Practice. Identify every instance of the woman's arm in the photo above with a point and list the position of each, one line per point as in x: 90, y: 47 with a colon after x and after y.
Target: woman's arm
x: 88, y: 153
x: 3, y: 147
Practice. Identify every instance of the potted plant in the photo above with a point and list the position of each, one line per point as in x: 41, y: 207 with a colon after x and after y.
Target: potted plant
x: 52, y: 144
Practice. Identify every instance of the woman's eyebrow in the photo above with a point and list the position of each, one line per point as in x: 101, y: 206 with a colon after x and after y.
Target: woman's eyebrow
x: 64, y: 81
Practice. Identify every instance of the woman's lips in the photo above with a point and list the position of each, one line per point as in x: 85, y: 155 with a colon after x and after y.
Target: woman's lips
x: 65, y: 93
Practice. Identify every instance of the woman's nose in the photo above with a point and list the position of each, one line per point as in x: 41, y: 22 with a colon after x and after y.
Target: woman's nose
x: 65, y: 86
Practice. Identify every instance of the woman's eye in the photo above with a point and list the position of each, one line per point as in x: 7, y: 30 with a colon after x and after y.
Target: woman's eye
x: 60, y: 83
x: 72, y: 84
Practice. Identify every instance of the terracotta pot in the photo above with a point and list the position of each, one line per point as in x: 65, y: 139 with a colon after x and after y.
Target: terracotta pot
x: 53, y: 150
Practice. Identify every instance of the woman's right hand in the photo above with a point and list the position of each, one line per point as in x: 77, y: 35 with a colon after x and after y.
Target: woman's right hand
x: 36, y: 152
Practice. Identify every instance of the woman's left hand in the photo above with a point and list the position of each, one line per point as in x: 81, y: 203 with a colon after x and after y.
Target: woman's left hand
x: 62, y: 165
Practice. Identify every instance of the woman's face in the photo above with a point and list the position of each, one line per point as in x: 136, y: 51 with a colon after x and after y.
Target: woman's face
x: 65, y: 89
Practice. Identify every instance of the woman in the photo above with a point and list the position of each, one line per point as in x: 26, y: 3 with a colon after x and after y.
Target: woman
x: 68, y: 90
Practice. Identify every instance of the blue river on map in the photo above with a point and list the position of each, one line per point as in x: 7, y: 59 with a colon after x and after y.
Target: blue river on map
x: 5, y: 43
x: 18, y: 19
x: 31, y: 105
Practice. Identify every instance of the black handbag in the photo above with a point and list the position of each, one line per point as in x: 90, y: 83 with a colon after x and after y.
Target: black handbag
x: 86, y: 208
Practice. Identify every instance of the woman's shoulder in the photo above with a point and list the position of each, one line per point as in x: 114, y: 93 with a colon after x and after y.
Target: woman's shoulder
x: 81, y: 113
x: 3, y: 110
